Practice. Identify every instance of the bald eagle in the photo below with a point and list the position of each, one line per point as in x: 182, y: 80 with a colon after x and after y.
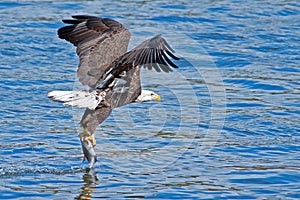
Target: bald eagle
x: 110, y: 71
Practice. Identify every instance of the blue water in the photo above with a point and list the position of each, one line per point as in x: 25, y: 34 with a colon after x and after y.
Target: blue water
x: 227, y: 126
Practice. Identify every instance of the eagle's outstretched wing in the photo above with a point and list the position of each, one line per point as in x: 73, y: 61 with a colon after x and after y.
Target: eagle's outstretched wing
x: 99, y: 42
x: 153, y: 53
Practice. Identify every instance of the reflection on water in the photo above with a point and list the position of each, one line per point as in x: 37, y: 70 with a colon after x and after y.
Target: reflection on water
x: 90, y: 180
x: 167, y: 149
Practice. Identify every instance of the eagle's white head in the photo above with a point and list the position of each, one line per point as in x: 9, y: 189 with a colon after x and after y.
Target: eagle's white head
x: 147, y: 95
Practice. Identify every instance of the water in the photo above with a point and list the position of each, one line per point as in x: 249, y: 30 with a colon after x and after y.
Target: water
x: 227, y: 126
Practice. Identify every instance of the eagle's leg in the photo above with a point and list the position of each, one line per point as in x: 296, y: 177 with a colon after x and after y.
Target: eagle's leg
x: 85, y: 135
x: 88, y: 142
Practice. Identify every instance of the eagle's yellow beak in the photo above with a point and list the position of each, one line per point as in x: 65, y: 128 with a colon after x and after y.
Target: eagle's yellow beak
x: 157, y: 97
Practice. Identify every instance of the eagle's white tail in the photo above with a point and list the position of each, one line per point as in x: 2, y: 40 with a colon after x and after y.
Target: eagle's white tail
x: 80, y: 99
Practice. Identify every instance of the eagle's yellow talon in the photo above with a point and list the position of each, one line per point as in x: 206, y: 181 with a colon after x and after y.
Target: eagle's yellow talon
x: 92, y: 139
x: 86, y: 136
